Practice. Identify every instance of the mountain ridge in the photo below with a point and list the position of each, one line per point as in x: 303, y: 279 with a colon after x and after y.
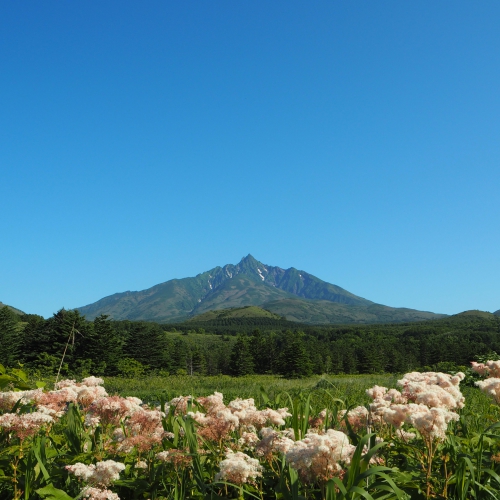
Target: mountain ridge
x: 13, y: 309
x: 250, y: 282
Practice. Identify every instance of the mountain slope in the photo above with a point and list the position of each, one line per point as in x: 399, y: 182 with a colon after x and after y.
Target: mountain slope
x: 235, y: 313
x: 17, y: 311
x: 322, y: 312
x: 288, y: 292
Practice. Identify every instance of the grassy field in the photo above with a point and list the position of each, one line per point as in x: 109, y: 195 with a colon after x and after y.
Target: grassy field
x: 350, y: 389
x: 185, y: 454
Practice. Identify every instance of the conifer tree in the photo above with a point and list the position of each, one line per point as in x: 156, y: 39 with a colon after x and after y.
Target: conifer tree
x: 10, y: 337
x: 260, y: 349
x: 148, y: 344
x: 294, y: 361
x: 63, y: 334
x: 241, y: 362
x: 103, y: 345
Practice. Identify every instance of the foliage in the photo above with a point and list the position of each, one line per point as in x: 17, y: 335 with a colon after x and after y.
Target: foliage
x: 200, y: 447
x: 96, y: 347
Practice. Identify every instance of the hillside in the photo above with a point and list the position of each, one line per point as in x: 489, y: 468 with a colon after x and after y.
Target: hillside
x: 476, y: 312
x: 323, y: 312
x: 237, y: 312
x: 295, y: 294
x: 13, y: 309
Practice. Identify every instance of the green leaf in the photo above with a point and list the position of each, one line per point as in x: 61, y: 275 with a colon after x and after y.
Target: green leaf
x: 264, y: 395
x: 50, y: 492
x: 5, y: 380
x: 19, y: 374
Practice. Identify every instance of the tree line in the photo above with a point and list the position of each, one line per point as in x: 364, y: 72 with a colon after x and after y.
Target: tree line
x: 131, y: 348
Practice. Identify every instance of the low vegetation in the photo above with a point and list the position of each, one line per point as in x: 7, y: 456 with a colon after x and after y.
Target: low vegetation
x: 368, y: 436
x: 191, y: 412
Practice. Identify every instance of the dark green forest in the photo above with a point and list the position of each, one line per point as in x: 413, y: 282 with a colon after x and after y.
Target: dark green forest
x: 240, y: 346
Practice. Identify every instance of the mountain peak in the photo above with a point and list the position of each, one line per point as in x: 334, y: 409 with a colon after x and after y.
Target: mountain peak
x: 248, y: 259
x: 291, y: 292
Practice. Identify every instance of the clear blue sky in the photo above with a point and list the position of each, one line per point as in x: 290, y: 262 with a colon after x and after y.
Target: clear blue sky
x: 145, y: 141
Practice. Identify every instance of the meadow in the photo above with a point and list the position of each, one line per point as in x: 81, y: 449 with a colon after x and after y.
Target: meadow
x: 266, y: 437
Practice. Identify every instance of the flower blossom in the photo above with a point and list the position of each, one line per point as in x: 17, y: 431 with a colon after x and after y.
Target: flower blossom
x: 357, y: 417
x: 432, y: 422
x: 238, y: 468
x: 490, y: 368
x: 491, y: 386
x: 426, y: 402
x: 92, y: 493
x: 273, y: 442
x: 99, y: 475
x: 319, y: 456
x: 9, y: 398
x: 434, y: 389
x: 220, y: 420
x: 143, y: 429
x: 111, y: 410
x: 87, y: 391
x: 25, y: 424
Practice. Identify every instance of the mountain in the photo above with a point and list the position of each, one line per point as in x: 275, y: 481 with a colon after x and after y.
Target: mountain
x: 476, y: 312
x: 286, y: 292
x: 17, y: 311
x: 235, y: 313
x: 497, y: 313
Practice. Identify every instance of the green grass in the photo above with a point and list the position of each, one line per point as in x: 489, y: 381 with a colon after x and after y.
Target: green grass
x: 349, y: 388
x: 479, y: 412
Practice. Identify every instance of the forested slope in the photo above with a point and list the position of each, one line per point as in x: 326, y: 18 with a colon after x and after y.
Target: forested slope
x: 241, y: 345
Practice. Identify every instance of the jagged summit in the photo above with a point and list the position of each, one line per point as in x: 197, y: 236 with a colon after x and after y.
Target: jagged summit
x: 248, y: 283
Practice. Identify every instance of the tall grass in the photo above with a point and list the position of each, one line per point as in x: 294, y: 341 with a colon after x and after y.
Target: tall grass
x: 349, y: 388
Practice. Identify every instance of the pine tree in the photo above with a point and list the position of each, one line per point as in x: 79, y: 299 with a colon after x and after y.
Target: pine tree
x: 62, y: 335
x: 241, y: 362
x: 261, y: 352
x: 103, y: 345
x: 294, y: 361
x: 10, y: 337
x: 148, y: 344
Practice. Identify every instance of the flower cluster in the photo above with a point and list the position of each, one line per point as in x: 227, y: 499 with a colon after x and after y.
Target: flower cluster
x: 490, y: 368
x: 357, y: 417
x: 220, y: 420
x: 142, y: 430
x: 427, y: 402
x: 273, y: 442
x: 238, y: 468
x: 490, y: 385
x: 98, y: 477
x: 25, y: 425
x: 319, y: 457
x: 101, y: 474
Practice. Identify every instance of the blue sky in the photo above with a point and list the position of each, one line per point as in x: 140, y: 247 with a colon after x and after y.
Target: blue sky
x: 145, y: 141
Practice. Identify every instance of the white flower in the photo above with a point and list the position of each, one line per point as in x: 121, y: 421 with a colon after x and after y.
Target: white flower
x: 239, y: 468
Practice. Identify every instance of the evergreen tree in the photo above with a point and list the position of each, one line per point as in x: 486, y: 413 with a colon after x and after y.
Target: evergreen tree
x: 63, y: 334
x: 31, y: 339
x: 103, y: 345
x: 148, y: 344
x: 10, y: 337
x: 259, y: 347
x: 294, y: 360
x: 241, y: 362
